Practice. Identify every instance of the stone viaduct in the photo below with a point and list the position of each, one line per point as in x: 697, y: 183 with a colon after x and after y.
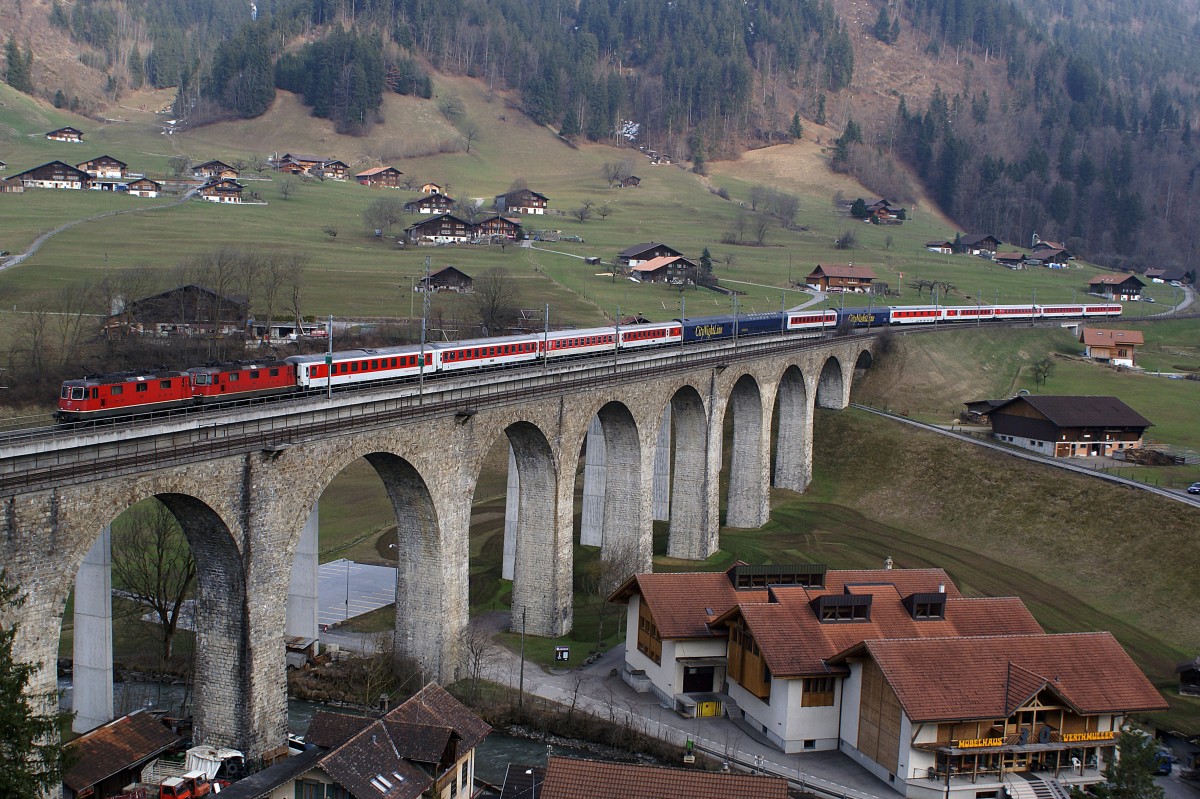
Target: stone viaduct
x: 243, y: 496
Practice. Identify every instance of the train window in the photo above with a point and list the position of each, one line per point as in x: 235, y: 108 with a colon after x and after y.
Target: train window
x: 140, y: 387
x: 254, y: 374
x: 95, y: 393
x: 66, y: 393
x: 233, y: 377
x: 274, y: 373
x: 78, y: 393
x: 164, y: 383
x: 354, y: 366
x: 117, y: 390
x: 374, y: 365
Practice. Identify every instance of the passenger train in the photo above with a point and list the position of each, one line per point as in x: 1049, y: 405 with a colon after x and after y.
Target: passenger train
x: 100, y: 396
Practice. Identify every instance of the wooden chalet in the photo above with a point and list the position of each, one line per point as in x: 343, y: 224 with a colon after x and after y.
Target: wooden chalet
x: 1122, y: 288
x: 381, y: 177
x: 882, y: 210
x: 1013, y: 260
x: 440, y: 229
x: 640, y: 253
x: 979, y: 244
x: 144, y: 187
x: 11, y: 186
x: 3, y: 166
x: 631, y: 182
x: 1067, y: 426
x: 449, y: 278
x: 184, y: 311
x: 67, y: 134
x: 940, y: 246
x: 299, y: 163
x: 431, y: 204
x: 104, y: 166
x: 1117, y: 347
x: 215, y: 170
x: 113, y: 755
x: 571, y: 778
x: 432, y: 188
x: 841, y: 277
x: 1049, y: 257
x: 333, y: 169
x: 673, y: 269
x: 522, y: 201
x: 1045, y: 244
x: 498, y: 225
x: 225, y: 190
x: 54, y: 175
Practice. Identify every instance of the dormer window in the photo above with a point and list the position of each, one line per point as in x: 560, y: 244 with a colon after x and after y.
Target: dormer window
x: 926, y: 607
x: 842, y: 608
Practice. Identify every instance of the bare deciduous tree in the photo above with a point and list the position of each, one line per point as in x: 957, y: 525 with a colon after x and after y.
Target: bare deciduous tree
x: 762, y: 226
x: 616, y: 171
x: 179, y: 165
x: 471, y: 133
x: 154, y: 566
x: 495, y: 300
x: 478, y: 646
x: 617, y: 563
x: 286, y: 188
x: 383, y: 214
x: 583, y: 213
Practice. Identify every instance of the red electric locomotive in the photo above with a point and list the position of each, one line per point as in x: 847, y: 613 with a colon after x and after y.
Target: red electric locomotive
x: 221, y: 382
x: 98, y: 396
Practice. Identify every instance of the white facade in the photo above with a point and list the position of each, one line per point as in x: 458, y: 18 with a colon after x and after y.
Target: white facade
x: 784, y: 719
x: 666, y: 677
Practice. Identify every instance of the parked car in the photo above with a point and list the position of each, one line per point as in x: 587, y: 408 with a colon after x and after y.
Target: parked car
x: 1194, y: 488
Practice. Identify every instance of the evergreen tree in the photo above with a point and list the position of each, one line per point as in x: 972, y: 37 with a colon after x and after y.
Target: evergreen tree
x: 17, y: 72
x: 706, y: 262
x: 570, y: 125
x: 137, y: 69
x: 821, y: 109
x: 60, y: 99
x: 883, y: 26
x: 796, y: 130
x: 859, y: 209
x: 31, y: 760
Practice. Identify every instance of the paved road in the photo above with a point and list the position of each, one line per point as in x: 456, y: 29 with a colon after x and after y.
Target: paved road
x: 346, y: 589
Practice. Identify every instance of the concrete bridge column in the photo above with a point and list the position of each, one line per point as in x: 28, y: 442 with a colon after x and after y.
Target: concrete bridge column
x: 793, y: 443
x: 749, y: 504
x: 592, y: 522
x: 628, y: 528
x: 92, y: 697
x: 302, y: 602
x: 512, y: 504
x: 662, y: 470
x: 694, y: 509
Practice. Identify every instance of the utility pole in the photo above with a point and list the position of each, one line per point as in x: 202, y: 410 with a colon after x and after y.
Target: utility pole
x: 617, y: 340
x: 682, y: 318
x: 424, y: 318
x: 328, y: 358
x: 545, y: 358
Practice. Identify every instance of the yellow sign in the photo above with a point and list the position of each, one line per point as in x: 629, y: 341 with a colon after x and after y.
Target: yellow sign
x: 1077, y: 737
x: 974, y: 743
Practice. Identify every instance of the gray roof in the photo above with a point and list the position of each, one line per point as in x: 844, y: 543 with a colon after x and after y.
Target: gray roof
x: 1068, y: 411
x: 975, y: 238
x: 261, y: 784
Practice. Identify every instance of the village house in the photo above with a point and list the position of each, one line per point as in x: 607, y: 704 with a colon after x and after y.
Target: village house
x: 640, y: 253
x: 431, y: 204
x: 883, y: 211
x: 11, y: 186
x: 1121, y: 288
x: 186, y: 311
x: 940, y: 246
x: 841, y: 277
x: 1068, y: 426
x: 497, y: 225
x: 572, y: 778
x: 522, y: 201
x: 215, y: 170
x: 104, y: 166
x: 111, y: 756
x: 425, y: 747
x: 979, y: 244
x: 1050, y: 257
x: 298, y: 163
x: 54, y: 175
x: 804, y: 655
x: 224, y: 190
x: 432, y: 188
x: 1013, y: 260
x: 381, y: 177
x: 3, y: 166
x: 67, y: 134
x: 333, y: 169
x: 449, y: 278
x: 673, y: 269
x: 1117, y: 347
x: 1045, y: 244
x: 440, y: 229
x: 631, y: 182
x: 144, y: 187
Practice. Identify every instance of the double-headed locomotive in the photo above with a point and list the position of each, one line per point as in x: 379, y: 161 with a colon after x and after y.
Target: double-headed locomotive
x: 127, y: 393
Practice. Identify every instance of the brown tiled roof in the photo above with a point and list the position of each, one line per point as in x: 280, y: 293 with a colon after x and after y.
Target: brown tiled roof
x: 1093, y: 336
x: 1113, y: 280
x: 435, y: 707
x: 844, y: 270
x: 116, y: 746
x: 370, y: 765
x: 1009, y: 256
x: 660, y: 262
x: 1070, y: 411
x: 680, y: 603
x: 981, y: 677
x: 795, y: 642
x: 570, y: 778
x: 375, y: 170
x: 331, y: 730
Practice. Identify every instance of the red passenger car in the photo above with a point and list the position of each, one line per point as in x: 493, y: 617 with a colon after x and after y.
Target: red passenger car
x: 99, y: 396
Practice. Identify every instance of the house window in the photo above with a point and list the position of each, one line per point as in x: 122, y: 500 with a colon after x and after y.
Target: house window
x: 310, y: 789
x: 818, y: 692
x: 462, y: 774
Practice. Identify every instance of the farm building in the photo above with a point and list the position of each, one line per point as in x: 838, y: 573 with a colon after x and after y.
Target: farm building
x: 449, y: 278
x: 1117, y: 347
x: 113, y: 755
x: 440, y: 229
x: 674, y: 269
x: 385, y: 177
x: 144, y: 187
x: 67, y: 134
x: 497, y: 225
x: 104, y: 166
x: 979, y: 244
x: 940, y: 246
x: 182, y: 311
x: 640, y: 253
x: 522, y: 201
x: 432, y: 188
x: 223, y: 190
x: 1122, y: 288
x: 54, y: 175
x: 215, y: 170
x: 430, y: 204
x: 1067, y: 426
x: 841, y: 277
